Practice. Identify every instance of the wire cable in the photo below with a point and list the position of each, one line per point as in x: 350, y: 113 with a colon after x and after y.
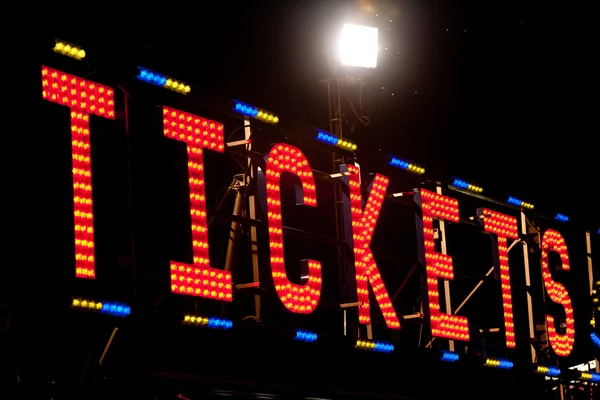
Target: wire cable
x: 361, y: 118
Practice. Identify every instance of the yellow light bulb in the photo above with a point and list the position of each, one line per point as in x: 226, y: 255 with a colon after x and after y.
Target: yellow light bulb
x: 67, y: 49
x: 276, y: 119
x: 169, y: 82
x: 81, y: 54
x: 187, y: 88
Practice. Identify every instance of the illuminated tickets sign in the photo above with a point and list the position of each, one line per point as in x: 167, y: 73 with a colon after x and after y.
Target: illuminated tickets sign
x: 84, y: 98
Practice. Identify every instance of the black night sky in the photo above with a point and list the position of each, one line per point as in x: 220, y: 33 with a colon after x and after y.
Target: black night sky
x: 496, y: 93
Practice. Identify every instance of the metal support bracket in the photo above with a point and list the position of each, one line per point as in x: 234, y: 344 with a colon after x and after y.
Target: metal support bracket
x: 238, y: 143
x: 339, y: 175
x: 344, y: 307
x: 418, y: 315
x: 400, y: 194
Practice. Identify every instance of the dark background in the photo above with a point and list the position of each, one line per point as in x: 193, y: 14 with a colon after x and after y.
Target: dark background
x: 495, y: 94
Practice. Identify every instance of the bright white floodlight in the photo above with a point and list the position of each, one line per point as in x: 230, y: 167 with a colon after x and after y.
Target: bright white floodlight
x: 358, y: 46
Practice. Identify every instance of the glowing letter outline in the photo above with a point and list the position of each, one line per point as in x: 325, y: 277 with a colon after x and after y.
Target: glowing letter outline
x: 198, y: 279
x: 297, y: 298
x: 504, y: 227
x: 561, y: 344
x: 83, y: 97
x: 363, y: 227
x: 438, y: 265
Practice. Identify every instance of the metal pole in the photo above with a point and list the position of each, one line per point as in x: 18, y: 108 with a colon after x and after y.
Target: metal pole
x: 474, y: 290
x: 329, y: 97
x: 234, y: 231
x: 528, y: 287
x: 112, y: 336
x: 130, y: 196
x: 339, y: 108
x: 404, y: 282
x: 480, y: 282
x: 588, y: 246
x: 249, y: 181
x: 562, y: 391
x: 336, y: 127
x: 444, y: 249
x: 467, y: 298
x: 338, y: 160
